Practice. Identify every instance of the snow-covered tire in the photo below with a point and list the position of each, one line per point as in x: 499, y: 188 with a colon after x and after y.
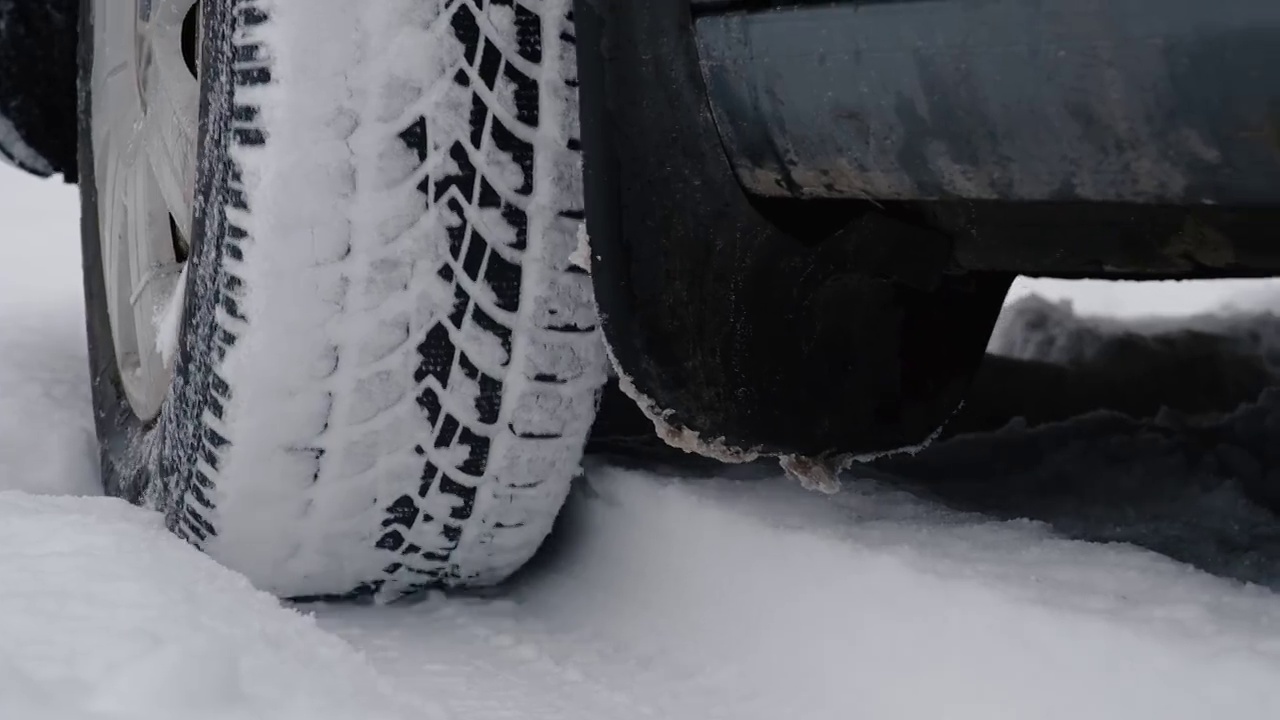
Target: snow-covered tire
x: 387, y: 366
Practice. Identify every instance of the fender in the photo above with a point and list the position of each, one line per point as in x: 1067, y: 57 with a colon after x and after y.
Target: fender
x: 38, y: 85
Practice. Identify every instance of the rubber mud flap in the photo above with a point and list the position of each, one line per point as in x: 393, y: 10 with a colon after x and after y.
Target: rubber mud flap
x: 731, y: 330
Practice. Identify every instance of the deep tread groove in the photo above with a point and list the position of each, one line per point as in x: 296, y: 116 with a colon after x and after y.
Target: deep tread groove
x: 528, y: 34
x: 503, y: 278
x: 479, y: 117
x: 247, y: 77
x: 477, y: 453
x: 490, y: 62
x: 519, y: 150
x: 437, y: 353
x: 474, y: 259
x: 465, y: 495
x: 467, y: 31
x: 391, y: 541
x: 429, y: 474
x: 448, y: 431
x: 519, y: 221
x: 461, y: 301
x: 404, y: 511
x: 526, y: 96
x: 250, y: 136
x: 465, y: 176
x: 429, y: 401
x: 415, y: 138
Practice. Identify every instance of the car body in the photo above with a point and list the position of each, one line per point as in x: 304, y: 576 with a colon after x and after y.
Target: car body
x: 803, y: 216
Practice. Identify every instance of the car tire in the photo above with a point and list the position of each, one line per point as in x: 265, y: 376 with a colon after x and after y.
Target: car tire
x: 386, y: 367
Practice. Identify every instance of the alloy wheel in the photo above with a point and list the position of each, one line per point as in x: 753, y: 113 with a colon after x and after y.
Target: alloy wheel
x: 144, y: 124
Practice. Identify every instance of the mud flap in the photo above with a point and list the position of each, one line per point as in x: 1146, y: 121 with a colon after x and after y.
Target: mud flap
x: 729, y: 329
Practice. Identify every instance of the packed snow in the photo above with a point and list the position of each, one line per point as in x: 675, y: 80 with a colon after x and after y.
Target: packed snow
x: 103, y: 615
x: 1102, y: 567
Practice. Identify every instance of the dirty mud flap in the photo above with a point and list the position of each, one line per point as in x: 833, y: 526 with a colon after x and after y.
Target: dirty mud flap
x: 737, y: 337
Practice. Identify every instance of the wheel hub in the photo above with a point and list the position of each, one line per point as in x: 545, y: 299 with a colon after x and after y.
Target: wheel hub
x: 145, y: 110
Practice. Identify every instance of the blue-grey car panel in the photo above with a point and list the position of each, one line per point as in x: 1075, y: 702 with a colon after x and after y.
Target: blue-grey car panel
x: 1149, y: 101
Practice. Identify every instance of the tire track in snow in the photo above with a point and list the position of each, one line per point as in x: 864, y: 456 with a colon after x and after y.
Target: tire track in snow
x: 717, y: 598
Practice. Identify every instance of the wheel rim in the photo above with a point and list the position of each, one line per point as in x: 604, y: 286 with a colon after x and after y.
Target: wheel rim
x: 144, y: 124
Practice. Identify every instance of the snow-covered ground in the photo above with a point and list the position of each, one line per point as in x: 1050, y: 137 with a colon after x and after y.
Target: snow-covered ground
x: 740, y: 596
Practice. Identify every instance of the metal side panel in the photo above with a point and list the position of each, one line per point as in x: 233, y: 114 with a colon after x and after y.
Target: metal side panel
x: 1148, y: 101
